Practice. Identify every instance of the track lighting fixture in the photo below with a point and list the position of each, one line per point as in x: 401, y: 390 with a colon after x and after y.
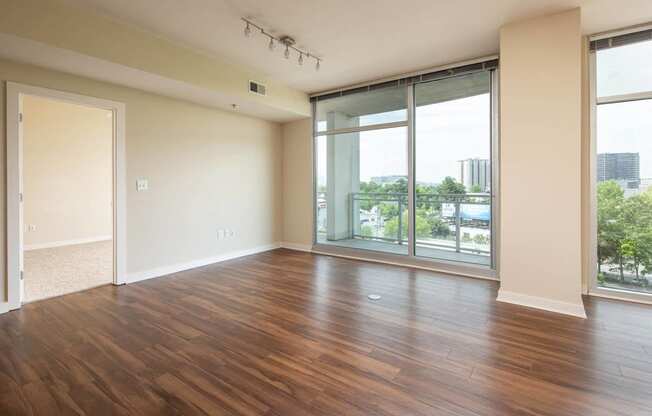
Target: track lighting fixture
x: 288, y: 41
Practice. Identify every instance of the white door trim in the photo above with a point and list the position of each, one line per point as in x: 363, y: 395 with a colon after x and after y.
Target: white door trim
x: 15, y: 92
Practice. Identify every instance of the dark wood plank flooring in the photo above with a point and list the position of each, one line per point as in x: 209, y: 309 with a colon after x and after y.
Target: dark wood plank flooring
x: 285, y: 333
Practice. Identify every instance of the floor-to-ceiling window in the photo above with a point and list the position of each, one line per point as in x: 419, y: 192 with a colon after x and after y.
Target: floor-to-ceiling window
x: 453, y: 168
x: 405, y: 167
x: 622, y: 161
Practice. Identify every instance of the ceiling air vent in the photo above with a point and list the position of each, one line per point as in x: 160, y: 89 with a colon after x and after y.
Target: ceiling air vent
x: 257, y: 88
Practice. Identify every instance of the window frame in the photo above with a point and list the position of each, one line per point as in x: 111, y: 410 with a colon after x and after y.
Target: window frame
x: 460, y: 268
x: 593, y: 288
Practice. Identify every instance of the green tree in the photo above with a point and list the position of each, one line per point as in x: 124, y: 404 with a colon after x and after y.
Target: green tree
x: 421, y: 224
x: 367, y: 202
x: 426, y: 197
x: 367, y: 230
x: 450, y: 186
x: 475, y: 189
x: 611, y: 225
x: 636, y: 247
x: 384, y: 196
x: 480, y: 239
x: 437, y: 226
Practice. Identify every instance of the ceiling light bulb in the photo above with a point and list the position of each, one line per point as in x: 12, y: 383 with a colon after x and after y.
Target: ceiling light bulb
x: 247, y: 30
x: 300, y: 59
x: 287, y: 52
x: 271, y: 44
x: 317, y: 65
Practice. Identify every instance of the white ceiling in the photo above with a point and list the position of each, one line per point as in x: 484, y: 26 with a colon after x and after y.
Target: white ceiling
x: 359, y: 40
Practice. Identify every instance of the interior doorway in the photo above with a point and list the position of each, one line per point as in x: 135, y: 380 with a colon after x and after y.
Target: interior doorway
x: 67, y: 197
x: 65, y: 193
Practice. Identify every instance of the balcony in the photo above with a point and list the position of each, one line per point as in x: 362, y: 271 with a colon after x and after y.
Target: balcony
x: 449, y: 227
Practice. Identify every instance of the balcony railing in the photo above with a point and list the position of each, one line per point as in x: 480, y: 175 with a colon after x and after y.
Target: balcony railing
x: 383, y: 217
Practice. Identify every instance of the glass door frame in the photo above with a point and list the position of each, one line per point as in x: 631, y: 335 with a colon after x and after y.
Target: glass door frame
x: 460, y: 268
x: 591, y: 286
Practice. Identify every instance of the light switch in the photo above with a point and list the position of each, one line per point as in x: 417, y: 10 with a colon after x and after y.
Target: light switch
x: 142, y: 185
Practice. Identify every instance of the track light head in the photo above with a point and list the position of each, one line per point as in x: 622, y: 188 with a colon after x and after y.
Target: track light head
x: 317, y: 65
x: 271, y: 45
x: 300, y: 59
x: 287, y: 52
x: 247, y: 30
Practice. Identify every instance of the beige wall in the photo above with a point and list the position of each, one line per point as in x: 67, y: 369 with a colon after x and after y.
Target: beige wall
x: 540, y: 156
x: 207, y: 169
x: 67, y: 171
x: 297, y: 183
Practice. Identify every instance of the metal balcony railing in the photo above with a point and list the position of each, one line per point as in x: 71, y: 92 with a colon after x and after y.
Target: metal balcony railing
x: 454, y: 210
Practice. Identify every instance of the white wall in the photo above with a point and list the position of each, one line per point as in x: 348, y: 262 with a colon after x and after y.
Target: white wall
x: 540, y: 162
x: 207, y: 169
x: 67, y: 172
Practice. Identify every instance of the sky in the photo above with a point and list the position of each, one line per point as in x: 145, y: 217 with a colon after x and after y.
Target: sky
x: 625, y: 127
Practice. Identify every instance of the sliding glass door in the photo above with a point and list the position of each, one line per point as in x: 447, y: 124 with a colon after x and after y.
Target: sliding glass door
x: 452, y: 175
x: 405, y: 168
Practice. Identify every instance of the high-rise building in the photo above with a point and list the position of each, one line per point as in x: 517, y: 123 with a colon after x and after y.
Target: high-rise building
x: 475, y: 173
x: 620, y: 167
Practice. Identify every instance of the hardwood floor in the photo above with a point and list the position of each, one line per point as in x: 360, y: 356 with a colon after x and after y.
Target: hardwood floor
x: 286, y: 333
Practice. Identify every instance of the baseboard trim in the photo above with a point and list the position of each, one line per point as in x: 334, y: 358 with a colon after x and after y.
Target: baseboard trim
x: 179, y: 267
x: 296, y: 246
x: 414, y: 263
x: 96, y: 239
x: 566, y: 308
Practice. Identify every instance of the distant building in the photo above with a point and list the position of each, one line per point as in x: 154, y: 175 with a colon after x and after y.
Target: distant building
x: 388, y: 179
x: 621, y: 167
x: 475, y: 173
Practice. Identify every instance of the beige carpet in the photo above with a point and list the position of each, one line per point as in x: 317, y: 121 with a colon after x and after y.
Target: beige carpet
x: 56, y: 271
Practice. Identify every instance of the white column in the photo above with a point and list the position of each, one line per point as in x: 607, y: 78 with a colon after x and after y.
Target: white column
x: 343, y: 177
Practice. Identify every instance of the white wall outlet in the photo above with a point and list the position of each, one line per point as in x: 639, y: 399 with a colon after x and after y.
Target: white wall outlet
x: 230, y: 233
x: 220, y: 234
x: 31, y: 227
x: 142, y: 185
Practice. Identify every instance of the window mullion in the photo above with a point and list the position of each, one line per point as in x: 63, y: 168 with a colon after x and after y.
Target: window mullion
x: 411, y: 171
